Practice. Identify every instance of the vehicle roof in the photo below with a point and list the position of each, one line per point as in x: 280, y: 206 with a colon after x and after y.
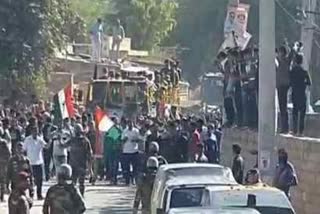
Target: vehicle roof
x: 204, y: 180
x: 197, y: 210
x: 266, y: 196
x: 212, y: 75
x: 248, y: 188
x: 135, y: 69
x: 167, y: 167
x: 195, y: 173
x: 118, y: 81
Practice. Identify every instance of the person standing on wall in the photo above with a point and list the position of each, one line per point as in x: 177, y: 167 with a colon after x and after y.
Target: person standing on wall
x: 282, y: 83
x: 118, y: 34
x: 299, y: 81
x: 96, y: 34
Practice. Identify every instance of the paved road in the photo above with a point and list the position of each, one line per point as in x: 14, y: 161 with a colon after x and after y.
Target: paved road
x: 100, y: 199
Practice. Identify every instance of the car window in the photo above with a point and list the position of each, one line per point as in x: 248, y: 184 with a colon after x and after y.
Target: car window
x: 187, y: 197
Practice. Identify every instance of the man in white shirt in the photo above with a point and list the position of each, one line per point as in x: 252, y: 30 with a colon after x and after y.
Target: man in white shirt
x: 33, y: 145
x: 96, y: 34
x: 130, y: 151
x: 118, y: 34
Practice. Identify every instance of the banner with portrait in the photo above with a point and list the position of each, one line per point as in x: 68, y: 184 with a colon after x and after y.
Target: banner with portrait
x: 237, y: 19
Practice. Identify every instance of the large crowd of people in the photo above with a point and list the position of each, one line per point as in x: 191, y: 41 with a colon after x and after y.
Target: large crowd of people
x: 34, y: 148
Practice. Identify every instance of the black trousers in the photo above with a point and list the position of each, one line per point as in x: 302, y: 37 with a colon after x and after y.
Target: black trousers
x: 128, y: 160
x: 38, y: 178
x: 283, y: 105
x: 238, y: 103
x: 47, y: 156
x: 229, y: 108
x: 252, y: 110
x: 299, y: 112
x: 79, y: 173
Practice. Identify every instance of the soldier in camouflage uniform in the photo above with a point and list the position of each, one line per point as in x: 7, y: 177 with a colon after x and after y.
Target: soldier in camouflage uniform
x: 80, y: 157
x: 18, y: 163
x: 4, y: 159
x: 144, y: 187
x: 63, y: 198
x: 18, y: 202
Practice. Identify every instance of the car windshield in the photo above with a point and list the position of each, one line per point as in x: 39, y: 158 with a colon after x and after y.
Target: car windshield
x: 187, y: 197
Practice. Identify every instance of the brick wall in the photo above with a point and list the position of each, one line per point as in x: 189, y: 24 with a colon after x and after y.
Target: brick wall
x: 304, y: 153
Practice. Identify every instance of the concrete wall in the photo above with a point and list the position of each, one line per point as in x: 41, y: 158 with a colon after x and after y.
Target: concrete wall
x: 304, y: 153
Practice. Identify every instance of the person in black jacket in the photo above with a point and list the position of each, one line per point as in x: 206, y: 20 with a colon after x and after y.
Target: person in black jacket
x: 299, y: 80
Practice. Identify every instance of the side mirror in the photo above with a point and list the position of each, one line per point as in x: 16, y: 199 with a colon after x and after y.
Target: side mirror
x: 160, y: 211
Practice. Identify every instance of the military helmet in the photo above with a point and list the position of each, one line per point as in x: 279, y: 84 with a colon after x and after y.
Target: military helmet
x: 154, y: 147
x: 65, y: 171
x: 152, y: 163
x: 78, y: 128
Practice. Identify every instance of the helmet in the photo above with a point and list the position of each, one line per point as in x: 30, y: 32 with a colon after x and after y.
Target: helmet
x: 153, y: 163
x: 65, y: 171
x: 78, y: 129
x: 154, y: 147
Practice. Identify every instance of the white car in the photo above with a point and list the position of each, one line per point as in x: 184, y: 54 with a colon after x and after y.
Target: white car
x: 188, y: 183
x: 213, y: 211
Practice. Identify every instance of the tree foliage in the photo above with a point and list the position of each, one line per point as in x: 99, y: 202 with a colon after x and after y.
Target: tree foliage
x: 148, y: 22
x: 90, y: 10
x: 31, y: 32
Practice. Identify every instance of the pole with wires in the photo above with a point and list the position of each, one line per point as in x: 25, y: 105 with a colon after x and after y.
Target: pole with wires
x: 267, y: 87
x: 307, y: 32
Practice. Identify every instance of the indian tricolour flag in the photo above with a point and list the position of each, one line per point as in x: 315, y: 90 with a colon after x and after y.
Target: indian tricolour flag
x: 105, y: 126
x: 63, y: 103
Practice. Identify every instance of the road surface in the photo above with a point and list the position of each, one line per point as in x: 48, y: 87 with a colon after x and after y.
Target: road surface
x: 100, y: 199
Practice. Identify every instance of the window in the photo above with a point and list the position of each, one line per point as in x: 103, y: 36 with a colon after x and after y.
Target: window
x: 187, y: 197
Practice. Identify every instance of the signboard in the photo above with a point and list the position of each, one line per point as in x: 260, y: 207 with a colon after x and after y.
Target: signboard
x: 235, y: 26
x: 237, y: 19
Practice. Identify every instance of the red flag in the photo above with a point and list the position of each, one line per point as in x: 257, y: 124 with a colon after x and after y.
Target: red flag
x: 103, y: 122
x: 103, y: 125
x: 69, y: 100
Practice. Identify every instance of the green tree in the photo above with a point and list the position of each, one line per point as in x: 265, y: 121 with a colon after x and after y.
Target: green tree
x: 90, y: 10
x: 148, y: 22
x: 31, y: 32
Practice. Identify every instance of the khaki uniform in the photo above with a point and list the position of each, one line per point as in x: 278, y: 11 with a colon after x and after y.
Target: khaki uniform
x: 143, y: 193
x: 80, y: 155
x: 19, y: 203
x: 17, y: 164
x: 63, y: 199
x: 4, y: 159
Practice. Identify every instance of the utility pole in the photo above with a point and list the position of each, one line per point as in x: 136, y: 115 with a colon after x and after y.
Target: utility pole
x: 307, y: 40
x: 267, y: 87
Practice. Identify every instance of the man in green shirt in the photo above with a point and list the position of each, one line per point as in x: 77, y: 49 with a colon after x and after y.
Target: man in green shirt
x: 112, y: 151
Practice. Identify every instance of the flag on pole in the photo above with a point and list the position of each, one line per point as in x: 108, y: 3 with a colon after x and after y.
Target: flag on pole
x: 105, y: 128
x: 63, y: 103
x: 103, y: 122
